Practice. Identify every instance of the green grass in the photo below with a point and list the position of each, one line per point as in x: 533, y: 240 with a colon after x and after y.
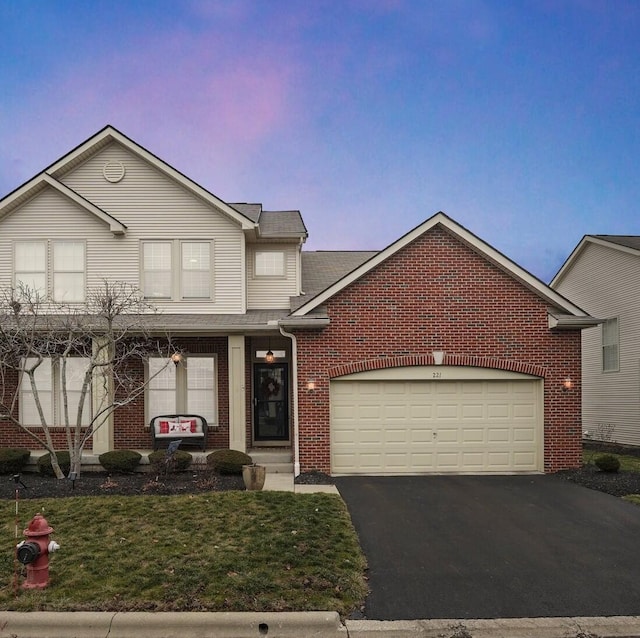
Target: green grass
x: 632, y: 498
x: 630, y: 463
x: 222, y: 551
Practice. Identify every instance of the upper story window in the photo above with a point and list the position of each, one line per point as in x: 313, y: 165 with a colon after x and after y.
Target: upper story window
x: 269, y: 263
x: 156, y: 269
x: 196, y: 270
x: 610, y: 345
x: 64, y: 281
x: 163, y: 279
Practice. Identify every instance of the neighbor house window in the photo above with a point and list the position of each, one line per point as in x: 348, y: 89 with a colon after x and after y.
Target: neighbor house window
x: 186, y: 388
x: 50, y: 391
x: 269, y: 263
x: 610, y: 346
x: 65, y: 282
x: 156, y: 270
x: 196, y: 270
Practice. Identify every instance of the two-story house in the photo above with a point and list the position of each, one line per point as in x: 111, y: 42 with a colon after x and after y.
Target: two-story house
x: 436, y: 354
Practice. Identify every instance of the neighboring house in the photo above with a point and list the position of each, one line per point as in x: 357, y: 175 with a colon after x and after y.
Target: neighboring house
x: 602, y: 275
x: 436, y: 354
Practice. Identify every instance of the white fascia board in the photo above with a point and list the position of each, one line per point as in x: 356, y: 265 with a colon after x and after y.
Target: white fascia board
x: 575, y: 254
x: 467, y: 237
x: 116, y: 227
x: 35, y: 185
x: 111, y: 134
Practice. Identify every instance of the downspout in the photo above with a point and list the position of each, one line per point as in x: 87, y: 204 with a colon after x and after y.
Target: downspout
x: 294, y: 375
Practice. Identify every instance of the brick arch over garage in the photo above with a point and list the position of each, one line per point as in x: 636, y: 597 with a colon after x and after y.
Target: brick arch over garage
x: 427, y: 360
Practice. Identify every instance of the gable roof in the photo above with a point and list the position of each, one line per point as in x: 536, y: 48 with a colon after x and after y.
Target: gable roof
x: 624, y: 243
x: 100, y: 140
x: 531, y: 282
x: 43, y: 180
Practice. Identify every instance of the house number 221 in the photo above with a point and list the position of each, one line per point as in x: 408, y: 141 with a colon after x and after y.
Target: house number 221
x: 437, y: 375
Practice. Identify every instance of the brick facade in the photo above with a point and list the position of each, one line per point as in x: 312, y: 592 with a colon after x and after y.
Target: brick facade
x: 131, y: 430
x: 438, y: 294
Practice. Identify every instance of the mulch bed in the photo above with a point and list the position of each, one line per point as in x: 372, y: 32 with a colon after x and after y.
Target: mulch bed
x: 193, y: 482
x: 101, y: 483
x: 619, y: 483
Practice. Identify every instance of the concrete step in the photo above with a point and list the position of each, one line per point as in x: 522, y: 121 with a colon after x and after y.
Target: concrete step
x: 277, y: 461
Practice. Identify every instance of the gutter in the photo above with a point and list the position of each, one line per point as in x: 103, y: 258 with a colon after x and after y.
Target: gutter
x: 296, y: 421
x: 571, y: 322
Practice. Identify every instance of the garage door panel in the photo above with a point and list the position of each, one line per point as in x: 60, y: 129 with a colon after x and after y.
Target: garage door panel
x: 498, y: 435
x: 446, y: 411
x: 524, y: 435
x: 476, y: 435
x: 421, y: 435
x: 497, y: 411
x: 420, y: 411
x: 407, y: 427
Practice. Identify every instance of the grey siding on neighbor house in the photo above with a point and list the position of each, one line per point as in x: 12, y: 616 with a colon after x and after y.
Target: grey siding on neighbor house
x: 155, y: 207
x: 605, y: 282
x: 272, y: 292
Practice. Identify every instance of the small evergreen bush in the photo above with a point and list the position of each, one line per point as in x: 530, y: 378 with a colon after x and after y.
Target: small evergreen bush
x: 181, y: 461
x: 228, y: 461
x: 607, y: 463
x: 12, y: 460
x: 44, y: 463
x: 120, y: 460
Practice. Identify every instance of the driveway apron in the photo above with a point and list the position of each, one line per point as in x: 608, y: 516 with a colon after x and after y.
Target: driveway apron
x: 494, y: 547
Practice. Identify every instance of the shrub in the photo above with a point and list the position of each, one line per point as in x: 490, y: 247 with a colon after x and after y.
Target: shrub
x: 228, y: 461
x: 44, y: 463
x: 120, y: 460
x: 181, y: 460
x: 12, y: 460
x: 607, y: 463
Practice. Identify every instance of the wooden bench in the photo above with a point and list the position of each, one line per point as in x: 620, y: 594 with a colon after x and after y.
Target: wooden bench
x: 191, y: 429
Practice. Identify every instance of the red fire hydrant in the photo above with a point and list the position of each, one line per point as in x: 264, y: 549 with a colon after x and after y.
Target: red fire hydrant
x: 34, y: 553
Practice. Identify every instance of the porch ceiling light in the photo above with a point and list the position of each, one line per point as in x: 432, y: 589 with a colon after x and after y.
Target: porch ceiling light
x: 269, y: 357
x: 176, y: 357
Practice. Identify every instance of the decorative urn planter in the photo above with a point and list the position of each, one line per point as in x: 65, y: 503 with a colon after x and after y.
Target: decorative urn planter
x: 253, y: 476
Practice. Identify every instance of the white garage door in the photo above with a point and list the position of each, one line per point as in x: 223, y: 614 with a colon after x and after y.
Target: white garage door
x: 450, y: 425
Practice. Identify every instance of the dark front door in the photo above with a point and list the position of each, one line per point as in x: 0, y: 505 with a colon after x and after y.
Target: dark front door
x: 270, y: 402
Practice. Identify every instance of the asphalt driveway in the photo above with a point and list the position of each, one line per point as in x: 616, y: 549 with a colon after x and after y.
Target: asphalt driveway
x: 494, y: 547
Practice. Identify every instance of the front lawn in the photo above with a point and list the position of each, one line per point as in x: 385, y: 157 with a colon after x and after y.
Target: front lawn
x: 219, y: 551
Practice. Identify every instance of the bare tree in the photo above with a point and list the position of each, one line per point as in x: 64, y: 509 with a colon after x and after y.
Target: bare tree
x: 87, y: 354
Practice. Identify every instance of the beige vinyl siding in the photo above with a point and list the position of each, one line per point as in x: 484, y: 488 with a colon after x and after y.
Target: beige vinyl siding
x: 64, y: 221
x: 272, y: 292
x: 604, y: 282
x: 154, y: 207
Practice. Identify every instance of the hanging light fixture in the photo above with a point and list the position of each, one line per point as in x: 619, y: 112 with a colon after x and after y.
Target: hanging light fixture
x: 269, y: 357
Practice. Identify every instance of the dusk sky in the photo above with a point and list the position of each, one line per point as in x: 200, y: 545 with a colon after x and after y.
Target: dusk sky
x: 519, y: 119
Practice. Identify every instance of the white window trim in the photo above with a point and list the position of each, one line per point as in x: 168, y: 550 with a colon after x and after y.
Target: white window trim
x: 56, y: 417
x: 176, y: 293
x: 181, y: 387
x: 616, y: 344
x: 281, y: 275
x: 49, y: 271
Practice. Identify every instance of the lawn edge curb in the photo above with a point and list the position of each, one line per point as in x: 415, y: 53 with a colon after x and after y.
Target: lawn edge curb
x: 313, y: 624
